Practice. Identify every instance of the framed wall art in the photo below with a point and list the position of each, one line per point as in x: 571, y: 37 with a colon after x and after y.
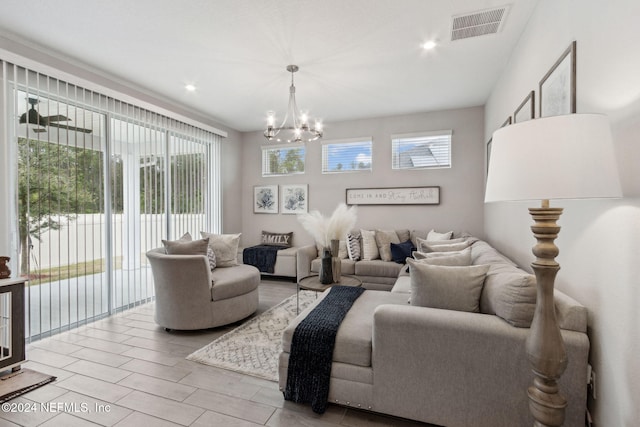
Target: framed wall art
x: 506, y: 122
x: 394, y: 196
x: 294, y: 198
x: 265, y: 199
x: 526, y: 110
x: 558, y: 86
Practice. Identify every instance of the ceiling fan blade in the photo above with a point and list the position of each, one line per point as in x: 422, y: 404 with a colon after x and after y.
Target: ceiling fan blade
x: 73, y: 128
x: 57, y: 118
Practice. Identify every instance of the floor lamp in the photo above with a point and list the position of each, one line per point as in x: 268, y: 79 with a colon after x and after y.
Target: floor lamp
x: 561, y: 157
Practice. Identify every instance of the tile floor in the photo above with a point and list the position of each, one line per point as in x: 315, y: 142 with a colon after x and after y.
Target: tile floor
x: 126, y: 371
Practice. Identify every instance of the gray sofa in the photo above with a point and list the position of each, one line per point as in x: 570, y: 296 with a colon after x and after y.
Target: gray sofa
x: 375, y: 274
x: 446, y: 367
x: 190, y: 296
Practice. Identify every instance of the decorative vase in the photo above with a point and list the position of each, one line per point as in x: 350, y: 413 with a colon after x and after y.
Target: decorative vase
x: 5, y: 273
x: 326, y: 274
x: 336, y: 262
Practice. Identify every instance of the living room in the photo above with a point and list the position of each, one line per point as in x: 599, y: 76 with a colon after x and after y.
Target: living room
x: 598, y: 249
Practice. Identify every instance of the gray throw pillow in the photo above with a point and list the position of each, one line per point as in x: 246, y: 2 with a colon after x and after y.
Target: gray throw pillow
x: 450, y: 288
x: 186, y: 247
x: 276, y: 239
x: 225, y: 247
x: 384, y: 238
x: 426, y: 246
x: 459, y: 258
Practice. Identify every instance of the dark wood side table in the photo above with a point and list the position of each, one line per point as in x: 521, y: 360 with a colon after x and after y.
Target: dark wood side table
x: 312, y: 283
x: 12, y: 346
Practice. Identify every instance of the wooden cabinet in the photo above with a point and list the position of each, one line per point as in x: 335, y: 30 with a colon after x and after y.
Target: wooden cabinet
x: 12, y: 348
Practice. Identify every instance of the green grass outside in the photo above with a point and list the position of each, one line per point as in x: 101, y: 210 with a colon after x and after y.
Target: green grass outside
x: 46, y: 275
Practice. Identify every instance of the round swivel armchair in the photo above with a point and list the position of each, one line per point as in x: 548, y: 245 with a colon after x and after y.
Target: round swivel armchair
x: 190, y: 296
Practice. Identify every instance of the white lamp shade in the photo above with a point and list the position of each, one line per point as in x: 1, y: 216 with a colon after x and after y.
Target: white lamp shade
x: 560, y: 157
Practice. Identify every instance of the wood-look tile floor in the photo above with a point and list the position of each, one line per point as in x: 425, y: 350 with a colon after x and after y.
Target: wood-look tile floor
x: 127, y: 371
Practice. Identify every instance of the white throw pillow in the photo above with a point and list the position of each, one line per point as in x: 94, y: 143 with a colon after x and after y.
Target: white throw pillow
x: 444, y: 287
x: 225, y: 248
x: 369, y: 245
x: 434, y: 235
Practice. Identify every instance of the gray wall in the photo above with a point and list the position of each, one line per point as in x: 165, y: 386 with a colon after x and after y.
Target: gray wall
x: 460, y: 206
x: 599, y: 250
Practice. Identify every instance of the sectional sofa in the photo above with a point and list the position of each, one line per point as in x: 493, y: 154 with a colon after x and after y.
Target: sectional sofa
x: 446, y: 367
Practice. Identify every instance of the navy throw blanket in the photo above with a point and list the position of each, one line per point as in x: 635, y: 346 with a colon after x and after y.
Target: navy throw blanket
x: 312, y: 344
x: 263, y: 257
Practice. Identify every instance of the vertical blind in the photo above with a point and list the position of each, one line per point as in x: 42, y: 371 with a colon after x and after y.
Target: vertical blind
x: 100, y: 182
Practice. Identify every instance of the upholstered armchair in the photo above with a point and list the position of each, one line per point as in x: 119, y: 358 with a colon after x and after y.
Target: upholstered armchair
x: 190, y: 296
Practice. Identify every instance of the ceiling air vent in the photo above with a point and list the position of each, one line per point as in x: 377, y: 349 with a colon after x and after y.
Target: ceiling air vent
x: 477, y: 23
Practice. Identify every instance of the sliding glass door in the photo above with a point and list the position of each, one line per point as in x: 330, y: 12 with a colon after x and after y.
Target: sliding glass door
x: 100, y: 182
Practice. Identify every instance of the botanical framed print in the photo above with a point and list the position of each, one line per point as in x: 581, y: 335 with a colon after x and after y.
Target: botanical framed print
x: 294, y: 198
x: 526, y: 110
x: 558, y: 86
x: 265, y: 199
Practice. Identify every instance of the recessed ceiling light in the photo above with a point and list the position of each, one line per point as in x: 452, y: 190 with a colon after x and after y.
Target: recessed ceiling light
x: 429, y: 45
x: 190, y: 88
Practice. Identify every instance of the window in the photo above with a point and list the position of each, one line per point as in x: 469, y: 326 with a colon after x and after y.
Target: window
x: 353, y: 155
x: 422, y: 150
x: 282, y: 160
x: 99, y: 182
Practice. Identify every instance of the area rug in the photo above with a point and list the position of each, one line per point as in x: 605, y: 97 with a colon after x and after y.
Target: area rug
x: 254, y: 347
x: 23, y: 381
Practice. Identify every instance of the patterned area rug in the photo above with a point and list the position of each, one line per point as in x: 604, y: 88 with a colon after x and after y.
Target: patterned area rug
x: 253, y: 348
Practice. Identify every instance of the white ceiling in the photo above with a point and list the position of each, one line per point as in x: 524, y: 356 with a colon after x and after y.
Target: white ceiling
x: 357, y: 58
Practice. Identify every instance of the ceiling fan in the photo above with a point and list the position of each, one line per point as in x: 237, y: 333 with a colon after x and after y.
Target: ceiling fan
x: 33, y: 117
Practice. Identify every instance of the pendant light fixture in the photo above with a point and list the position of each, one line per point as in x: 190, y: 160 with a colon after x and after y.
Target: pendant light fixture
x: 299, y: 129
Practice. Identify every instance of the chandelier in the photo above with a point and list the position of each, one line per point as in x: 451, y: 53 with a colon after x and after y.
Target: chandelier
x: 299, y: 130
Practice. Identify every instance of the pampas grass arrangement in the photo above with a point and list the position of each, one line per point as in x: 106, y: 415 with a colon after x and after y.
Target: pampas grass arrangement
x: 336, y: 227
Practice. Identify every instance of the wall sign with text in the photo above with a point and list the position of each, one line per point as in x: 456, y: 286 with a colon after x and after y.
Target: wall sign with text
x: 394, y: 196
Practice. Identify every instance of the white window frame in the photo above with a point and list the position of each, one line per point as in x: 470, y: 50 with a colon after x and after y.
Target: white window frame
x: 406, y: 139
x: 265, y: 156
x: 346, y: 142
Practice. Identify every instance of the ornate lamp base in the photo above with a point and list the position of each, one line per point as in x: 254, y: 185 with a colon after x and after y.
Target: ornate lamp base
x: 545, y: 347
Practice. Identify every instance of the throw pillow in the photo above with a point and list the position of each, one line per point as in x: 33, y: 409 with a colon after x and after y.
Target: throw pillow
x: 459, y: 258
x: 425, y: 246
x: 276, y: 239
x: 353, y: 247
x: 449, y: 288
x: 186, y: 247
x: 403, y: 234
x: 369, y: 245
x: 212, y: 257
x: 401, y: 251
x: 434, y: 235
x: 225, y: 248
x: 383, y: 240
x: 445, y: 242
